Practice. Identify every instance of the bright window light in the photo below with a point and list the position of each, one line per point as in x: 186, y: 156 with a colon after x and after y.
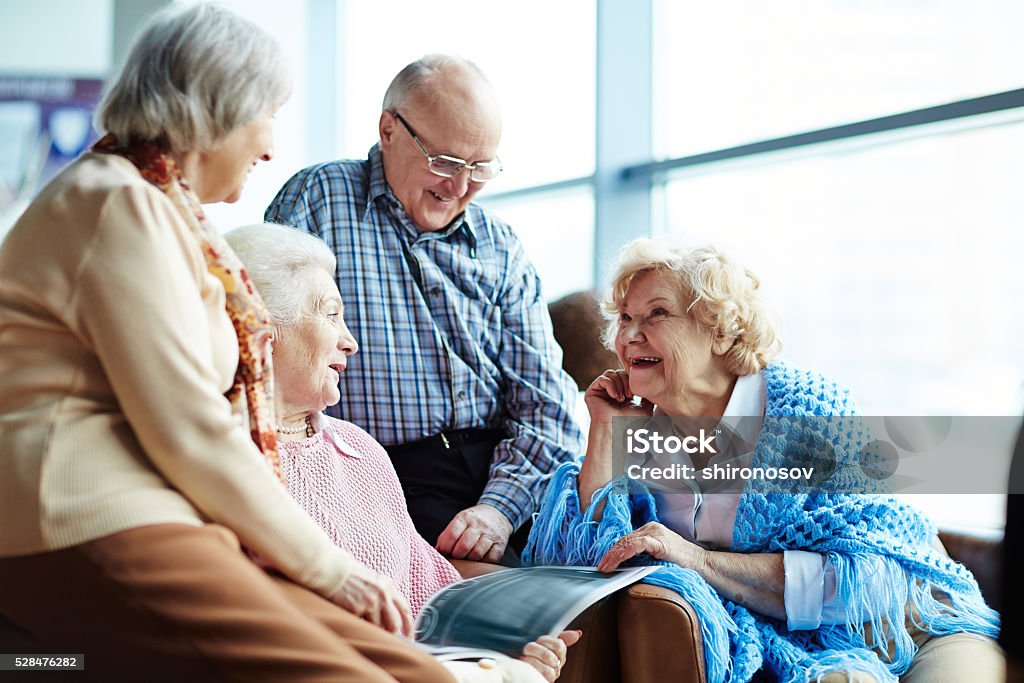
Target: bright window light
x: 734, y: 72
x: 557, y: 230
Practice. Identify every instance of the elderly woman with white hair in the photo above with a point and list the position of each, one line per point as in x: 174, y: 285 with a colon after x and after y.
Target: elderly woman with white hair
x: 811, y: 584
x: 339, y: 474
x: 138, y: 462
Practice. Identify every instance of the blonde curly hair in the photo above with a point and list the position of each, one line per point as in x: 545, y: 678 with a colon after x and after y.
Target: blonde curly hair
x: 724, y: 298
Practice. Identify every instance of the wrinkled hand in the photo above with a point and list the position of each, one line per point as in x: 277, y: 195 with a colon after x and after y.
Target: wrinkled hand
x: 609, y: 396
x: 373, y: 597
x: 659, y: 542
x: 547, y: 654
x: 477, y: 533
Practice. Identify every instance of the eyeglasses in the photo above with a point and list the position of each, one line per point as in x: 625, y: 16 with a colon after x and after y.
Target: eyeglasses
x: 449, y: 166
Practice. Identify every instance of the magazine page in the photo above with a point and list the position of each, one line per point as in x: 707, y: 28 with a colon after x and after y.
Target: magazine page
x: 451, y: 652
x: 505, y: 610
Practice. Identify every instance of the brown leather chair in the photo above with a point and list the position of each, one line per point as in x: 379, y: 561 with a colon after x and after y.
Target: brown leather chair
x: 659, y: 637
x: 644, y: 634
x: 983, y: 556
x: 577, y: 323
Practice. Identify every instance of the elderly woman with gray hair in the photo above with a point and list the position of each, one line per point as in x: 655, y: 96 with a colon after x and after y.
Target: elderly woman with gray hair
x: 811, y: 584
x: 138, y: 462
x: 339, y: 474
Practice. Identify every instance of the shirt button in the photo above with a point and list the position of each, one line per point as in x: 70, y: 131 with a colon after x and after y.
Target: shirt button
x: 435, y: 291
x: 462, y: 395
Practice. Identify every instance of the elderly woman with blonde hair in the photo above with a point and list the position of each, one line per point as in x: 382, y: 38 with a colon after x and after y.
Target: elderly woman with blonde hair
x: 138, y: 460
x: 339, y: 474
x: 809, y: 582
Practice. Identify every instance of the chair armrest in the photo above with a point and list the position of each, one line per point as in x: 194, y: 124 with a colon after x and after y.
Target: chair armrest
x: 983, y: 556
x: 595, y: 658
x: 469, y: 568
x: 659, y: 637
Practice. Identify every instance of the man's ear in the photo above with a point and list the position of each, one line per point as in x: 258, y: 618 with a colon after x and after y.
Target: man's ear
x: 386, y: 128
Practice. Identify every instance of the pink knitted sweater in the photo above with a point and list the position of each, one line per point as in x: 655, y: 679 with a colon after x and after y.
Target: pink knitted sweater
x: 344, y: 479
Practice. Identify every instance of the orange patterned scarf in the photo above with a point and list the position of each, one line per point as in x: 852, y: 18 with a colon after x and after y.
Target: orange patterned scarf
x: 251, y: 393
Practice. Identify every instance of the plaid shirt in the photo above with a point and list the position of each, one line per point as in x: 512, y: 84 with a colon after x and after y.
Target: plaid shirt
x: 453, y: 330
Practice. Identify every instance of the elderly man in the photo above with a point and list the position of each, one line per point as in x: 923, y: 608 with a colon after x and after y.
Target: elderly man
x: 458, y: 374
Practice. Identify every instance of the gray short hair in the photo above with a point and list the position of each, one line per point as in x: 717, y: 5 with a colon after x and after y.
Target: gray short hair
x: 278, y: 259
x: 411, y: 80
x: 193, y: 75
x: 722, y: 296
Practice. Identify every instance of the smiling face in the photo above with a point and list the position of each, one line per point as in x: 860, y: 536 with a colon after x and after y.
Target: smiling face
x: 310, y: 355
x: 462, y: 122
x: 666, y: 352
x: 222, y: 171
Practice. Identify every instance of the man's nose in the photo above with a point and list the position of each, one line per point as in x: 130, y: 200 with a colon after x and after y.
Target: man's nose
x: 459, y: 184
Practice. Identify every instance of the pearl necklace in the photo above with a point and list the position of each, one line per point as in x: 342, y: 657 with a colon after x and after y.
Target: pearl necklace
x: 307, y: 428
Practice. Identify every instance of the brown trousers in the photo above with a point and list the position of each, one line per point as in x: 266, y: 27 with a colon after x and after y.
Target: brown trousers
x: 174, y: 602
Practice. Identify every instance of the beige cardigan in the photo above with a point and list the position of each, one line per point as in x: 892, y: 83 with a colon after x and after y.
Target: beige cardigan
x: 115, y: 351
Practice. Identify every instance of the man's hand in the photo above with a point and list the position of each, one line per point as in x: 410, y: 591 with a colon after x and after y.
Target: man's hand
x: 477, y: 533
x: 374, y: 597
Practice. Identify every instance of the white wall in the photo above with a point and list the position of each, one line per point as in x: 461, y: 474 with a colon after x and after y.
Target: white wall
x: 56, y: 37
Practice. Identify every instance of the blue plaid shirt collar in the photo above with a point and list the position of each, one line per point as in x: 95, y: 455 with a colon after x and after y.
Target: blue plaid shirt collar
x: 379, y: 189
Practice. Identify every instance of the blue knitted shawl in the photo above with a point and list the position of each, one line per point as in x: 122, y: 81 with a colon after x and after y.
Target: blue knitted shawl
x: 858, y: 533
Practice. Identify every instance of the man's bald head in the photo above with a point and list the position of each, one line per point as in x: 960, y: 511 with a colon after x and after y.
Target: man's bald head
x: 451, y: 109
x: 445, y: 85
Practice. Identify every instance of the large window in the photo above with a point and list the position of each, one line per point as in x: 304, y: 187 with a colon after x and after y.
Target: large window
x: 735, y: 71
x: 893, y: 267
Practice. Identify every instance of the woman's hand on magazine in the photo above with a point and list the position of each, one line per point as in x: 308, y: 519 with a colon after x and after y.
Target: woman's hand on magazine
x: 547, y: 654
x: 659, y: 542
x: 374, y: 597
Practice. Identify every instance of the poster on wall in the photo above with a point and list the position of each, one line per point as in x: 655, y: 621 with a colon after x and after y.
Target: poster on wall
x: 44, y: 124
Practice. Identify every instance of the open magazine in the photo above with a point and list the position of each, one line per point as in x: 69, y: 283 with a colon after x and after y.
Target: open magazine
x: 499, y: 613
